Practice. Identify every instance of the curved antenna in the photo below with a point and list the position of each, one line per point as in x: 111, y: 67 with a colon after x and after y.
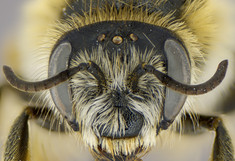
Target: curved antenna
x: 203, y: 88
x: 26, y: 86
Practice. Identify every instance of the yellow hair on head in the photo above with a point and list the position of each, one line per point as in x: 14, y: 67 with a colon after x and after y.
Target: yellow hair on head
x: 201, y: 16
x: 195, y: 31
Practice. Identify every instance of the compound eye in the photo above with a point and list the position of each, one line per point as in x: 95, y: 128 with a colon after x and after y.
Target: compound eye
x: 61, y: 94
x: 178, y: 66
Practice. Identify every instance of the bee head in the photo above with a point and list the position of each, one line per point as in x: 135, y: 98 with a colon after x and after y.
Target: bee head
x: 123, y: 82
x: 115, y: 98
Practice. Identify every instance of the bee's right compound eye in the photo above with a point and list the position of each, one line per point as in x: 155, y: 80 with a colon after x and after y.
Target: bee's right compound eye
x: 59, y: 74
x: 60, y: 94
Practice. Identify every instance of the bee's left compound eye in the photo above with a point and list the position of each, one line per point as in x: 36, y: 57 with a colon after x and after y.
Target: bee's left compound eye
x: 177, y: 80
x: 179, y: 69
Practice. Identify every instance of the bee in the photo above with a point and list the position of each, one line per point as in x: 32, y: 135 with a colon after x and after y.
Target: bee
x: 121, y: 75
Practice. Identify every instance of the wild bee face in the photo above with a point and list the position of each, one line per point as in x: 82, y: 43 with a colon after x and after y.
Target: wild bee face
x: 113, y: 89
x: 109, y: 107
x: 115, y: 99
